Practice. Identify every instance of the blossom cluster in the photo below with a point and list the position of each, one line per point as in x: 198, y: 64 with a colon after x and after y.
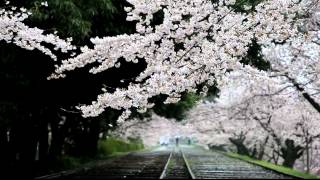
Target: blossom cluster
x: 14, y: 30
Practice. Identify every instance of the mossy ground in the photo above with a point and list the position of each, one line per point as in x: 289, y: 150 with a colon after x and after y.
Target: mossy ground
x: 278, y: 168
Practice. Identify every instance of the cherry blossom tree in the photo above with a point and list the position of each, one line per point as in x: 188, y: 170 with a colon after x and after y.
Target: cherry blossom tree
x: 13, y: 30
x: 303, y: 124
x: 211, y: 42
x: 297, y: 60
x: 194, y: 45
x: 278, y: 126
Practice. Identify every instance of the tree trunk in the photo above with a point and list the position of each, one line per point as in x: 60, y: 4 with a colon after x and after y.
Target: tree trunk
x: 4, y: 150
x: 43, y: 141
x: 308, y: 158
x: 86, y: 140
x: 290, y: 153
x: 308, y: 148
x: 94, y: 136
x: 241, y: 148
x: 275, y: 157
x: 262, y: 148
x: 57, y: 140
x: 3, y: 143
x: 24, y: 143
x: 43, y: 144
x: 254, y: 152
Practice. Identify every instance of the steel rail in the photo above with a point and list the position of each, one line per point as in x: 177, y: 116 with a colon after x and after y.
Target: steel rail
x: 163, y: 174
x: 188, y: 165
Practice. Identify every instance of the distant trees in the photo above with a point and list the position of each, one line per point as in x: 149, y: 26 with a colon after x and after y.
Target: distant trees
x: 150, y: 130
x: 279, y: 127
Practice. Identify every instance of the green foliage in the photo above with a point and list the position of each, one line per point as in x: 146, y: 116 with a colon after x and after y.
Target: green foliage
x: 108, y: 117
x: 114, y: 145
x: 179, y: 109
x: 176, y: 110
x: 254, y: 57
x: 278, y: 168
x: 68, y: 162
x: 81, y: 19
x: 213, y: 93
x: 239, y: 6
x: 106, y: 148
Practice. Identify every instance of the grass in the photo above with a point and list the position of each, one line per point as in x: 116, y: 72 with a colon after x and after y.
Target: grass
x: 278, y: 168
x: 106, y: 148
x: 112, y: 146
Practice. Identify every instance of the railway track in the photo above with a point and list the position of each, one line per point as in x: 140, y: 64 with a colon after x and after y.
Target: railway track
x: 212, y: 165
x: 168, y: 164
x: 177, y: 167
x: 172, y: 163
x: 143, y: 165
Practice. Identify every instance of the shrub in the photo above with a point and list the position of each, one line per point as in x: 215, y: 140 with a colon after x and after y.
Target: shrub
x: 114, y: 145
